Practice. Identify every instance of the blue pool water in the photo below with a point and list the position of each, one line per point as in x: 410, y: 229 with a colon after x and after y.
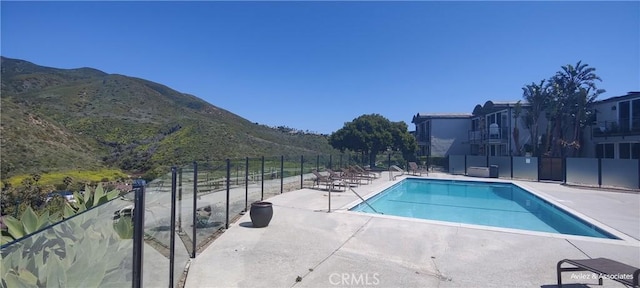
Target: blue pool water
x: 482, y: 203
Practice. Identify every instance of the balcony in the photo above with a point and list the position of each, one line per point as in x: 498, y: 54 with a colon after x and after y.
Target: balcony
x: 616, y: 128
x: 422, y: 139
x: 493, y: 136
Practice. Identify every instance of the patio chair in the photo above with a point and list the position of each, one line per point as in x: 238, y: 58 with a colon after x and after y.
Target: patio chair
x: 604, y: 268
x: 396, y: 169
x: 345, y: 178
x: 365, y: 171
x: 413, y: 168
x: 322, y: 179
x: 334, y: 175
x: 358, y: 175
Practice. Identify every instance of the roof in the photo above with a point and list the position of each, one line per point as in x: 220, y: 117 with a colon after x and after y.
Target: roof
x: 493, y: 106
x: 630, y: 95
x: 441, y: 116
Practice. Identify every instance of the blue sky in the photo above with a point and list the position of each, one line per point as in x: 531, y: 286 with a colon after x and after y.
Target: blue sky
x: 315, y: 65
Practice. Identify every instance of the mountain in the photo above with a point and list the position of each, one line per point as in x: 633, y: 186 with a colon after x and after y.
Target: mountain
x: 74, y: 119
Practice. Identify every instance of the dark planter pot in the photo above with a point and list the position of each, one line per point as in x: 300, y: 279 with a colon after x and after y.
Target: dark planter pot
x: 261, y: 213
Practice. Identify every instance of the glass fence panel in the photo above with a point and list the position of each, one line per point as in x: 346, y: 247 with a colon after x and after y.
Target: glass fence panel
x: 292, y: 173
x: 271, y: 176
x: 237, y: 195
x: 308, y: 166
x: 210, y: 201
x: 255, y: 180
x: 183, y: 243
x: 184, y: 205
x: 621, y: 173
x: 525, y: 168
x: 456, y: 164
x: 582, y: 171
x: 90, y: 249
x: 352, y: 159
x: 157, y: 219
x: 476, y: 161
x: 341, y: 161
x: 504, y: 165
x: 325, y: 161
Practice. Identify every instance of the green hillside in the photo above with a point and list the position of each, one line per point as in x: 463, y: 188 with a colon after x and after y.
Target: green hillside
x: 84, y: 119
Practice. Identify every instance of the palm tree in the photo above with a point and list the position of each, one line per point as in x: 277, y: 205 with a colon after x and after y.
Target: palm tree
x: 538, y: 97
x: 575, y: 90
x: 517, y: 111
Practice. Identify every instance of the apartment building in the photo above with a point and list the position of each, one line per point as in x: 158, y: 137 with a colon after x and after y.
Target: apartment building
x: 616, y: 131
x: 489, y: 130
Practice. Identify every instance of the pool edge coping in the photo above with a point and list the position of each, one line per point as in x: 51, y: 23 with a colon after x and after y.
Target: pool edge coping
x: 624, y: 239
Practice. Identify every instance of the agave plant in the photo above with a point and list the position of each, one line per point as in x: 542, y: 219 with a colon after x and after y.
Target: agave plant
x: 83, y: 251
x: 91, y: 257
x: 89, y: 200
x: 28, y: 223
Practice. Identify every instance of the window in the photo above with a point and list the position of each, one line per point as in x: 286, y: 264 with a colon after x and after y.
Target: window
x: 474, y: 125
x: 625, y: 150
x: 624, y: 116
x: 608, y: 150
x: 605, y: 150
x: 629, y: 150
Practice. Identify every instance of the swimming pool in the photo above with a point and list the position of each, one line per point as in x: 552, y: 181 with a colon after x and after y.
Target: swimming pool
x: 481, y: 203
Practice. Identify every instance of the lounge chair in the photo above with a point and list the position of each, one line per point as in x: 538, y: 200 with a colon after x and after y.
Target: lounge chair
x: 603, y: 268
x: 357, y: 175
x: 334, y: 175
x: 365, y: 171
x: 396, y: 169
x: 413, y: 168
x: 346, y: 178
x: 322, y: 179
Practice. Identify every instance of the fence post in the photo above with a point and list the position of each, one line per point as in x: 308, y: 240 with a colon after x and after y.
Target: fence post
x: 329, y: 197
x: 330, y: 161
x: 564, y: 168
x: 301, y: 171
x: 341, y: 161
x: 246, y: 184
x: 511, y: 159
x: 465, y: 164
x: 262, y: 180
x: 226, y: 225
x: 539, y: 167
x: 180, y: 199
x: 237, y: 175
x: 599, y: 172
x: 138, y: 238
x: 281, y: 174
x: 318, y: 162
x: 195, y: 206
x: 172, y: 237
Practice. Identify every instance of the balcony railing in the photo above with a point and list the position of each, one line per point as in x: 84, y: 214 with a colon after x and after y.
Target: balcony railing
x: 483, y: 136
x: 616, y: 128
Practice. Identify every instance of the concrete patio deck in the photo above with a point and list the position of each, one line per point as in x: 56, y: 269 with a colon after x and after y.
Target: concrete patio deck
x: 304, y: 246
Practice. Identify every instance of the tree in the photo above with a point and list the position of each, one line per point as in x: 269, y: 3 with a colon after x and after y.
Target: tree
x: 517, y: 111
x: 404, y: 141
x: 371, y: 134
x: 574, y: 91
x: 538, y: 97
